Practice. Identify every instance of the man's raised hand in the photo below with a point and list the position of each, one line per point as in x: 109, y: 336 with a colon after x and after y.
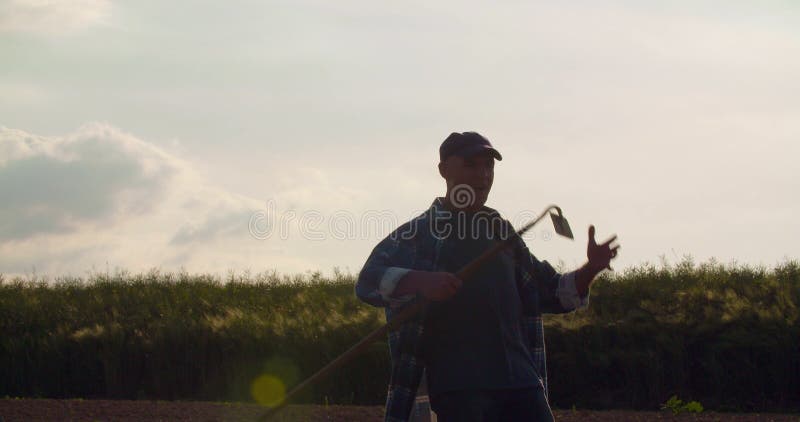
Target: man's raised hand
x: 600, y: 255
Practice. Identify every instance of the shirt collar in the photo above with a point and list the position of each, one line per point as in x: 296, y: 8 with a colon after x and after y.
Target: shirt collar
x: 438, y: 208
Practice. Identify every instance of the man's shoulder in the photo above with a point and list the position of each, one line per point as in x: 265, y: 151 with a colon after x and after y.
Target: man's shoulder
x: 413, y: 228
x: 497, y: 221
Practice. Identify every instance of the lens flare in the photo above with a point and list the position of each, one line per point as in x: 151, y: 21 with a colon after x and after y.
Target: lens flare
x: 277, y: 375
x: 268, y: 390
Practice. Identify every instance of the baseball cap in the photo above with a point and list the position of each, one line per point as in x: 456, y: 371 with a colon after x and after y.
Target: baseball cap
x: 466, y: 144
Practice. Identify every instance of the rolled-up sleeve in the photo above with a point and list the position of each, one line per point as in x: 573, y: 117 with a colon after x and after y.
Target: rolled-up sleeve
x: 391, y: 277
x: 389, y: 261
x: 567, y: 293
x: 543, y: 289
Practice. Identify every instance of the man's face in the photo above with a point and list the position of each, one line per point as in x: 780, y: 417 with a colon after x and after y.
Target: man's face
x: 476, y: 171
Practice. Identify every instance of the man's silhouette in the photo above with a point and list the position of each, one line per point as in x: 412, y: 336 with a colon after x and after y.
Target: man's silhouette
x: 480, y: 344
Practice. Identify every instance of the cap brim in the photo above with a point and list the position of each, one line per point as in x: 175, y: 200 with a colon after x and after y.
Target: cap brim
x: 477, y: 149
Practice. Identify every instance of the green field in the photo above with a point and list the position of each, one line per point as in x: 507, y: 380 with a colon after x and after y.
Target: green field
x: 725, y: 335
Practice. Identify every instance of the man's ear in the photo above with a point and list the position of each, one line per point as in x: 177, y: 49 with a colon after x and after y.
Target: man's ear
x: 443, y: 169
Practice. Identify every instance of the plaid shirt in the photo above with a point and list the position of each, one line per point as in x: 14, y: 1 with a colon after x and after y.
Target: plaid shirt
x: 416, y: 245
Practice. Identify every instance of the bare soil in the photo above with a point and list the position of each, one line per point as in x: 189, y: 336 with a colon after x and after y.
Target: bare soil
x: 123, y: 410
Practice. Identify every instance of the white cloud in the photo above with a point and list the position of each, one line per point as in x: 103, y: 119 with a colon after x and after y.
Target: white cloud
x: 100, y: 197
x: 59, y: 184
x: 52, y: 16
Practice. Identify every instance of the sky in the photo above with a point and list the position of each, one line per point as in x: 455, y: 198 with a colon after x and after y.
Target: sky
x: 292, y: 136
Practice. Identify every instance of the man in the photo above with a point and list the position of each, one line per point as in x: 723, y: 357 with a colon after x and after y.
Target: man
x: 480, y: 344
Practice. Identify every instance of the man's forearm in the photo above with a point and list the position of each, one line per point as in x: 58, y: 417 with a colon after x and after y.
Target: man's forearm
x: 584, y: 277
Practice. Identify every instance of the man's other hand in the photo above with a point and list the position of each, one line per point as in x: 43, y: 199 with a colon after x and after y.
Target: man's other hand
x: 439, y: 285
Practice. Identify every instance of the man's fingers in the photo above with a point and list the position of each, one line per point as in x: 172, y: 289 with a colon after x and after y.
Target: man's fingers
x: 591, y: 234
x: 611, y: 239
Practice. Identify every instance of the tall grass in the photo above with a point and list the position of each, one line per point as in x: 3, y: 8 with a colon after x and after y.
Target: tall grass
x: 727, y: 336
x: 181, y: 336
